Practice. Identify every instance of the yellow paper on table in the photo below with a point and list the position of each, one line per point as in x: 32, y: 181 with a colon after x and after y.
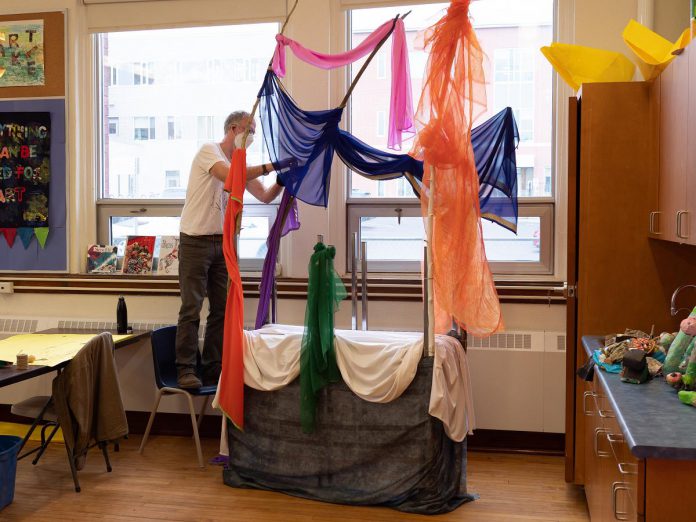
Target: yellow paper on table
x: 578, y: 64
x: 654, y: 51
x: 48, y: 349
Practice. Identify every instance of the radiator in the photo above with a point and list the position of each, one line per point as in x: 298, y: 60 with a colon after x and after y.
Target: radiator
x: 518, y: 381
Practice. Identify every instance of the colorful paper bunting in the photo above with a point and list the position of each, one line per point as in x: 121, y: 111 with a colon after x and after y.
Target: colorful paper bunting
x: 25, y: 234
x: 41, y: 235
x: 10, y: 234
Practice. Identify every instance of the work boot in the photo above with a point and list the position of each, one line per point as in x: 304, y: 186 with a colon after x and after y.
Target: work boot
x: 188, y: 381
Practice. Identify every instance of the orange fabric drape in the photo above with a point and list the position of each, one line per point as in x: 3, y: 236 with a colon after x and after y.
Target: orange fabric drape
x: 231, y: 387
x: 453, y: 96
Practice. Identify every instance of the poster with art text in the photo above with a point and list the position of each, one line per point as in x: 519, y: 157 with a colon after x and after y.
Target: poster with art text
x: 25, y: 173
x: 22, y: 53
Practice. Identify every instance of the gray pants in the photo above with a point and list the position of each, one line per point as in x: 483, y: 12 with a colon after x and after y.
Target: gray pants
x: 202, y: 272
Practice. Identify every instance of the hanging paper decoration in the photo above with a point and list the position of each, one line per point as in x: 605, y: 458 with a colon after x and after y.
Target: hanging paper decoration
x: 41, y: 235
x: 654, y: 51
x: 578, y: 64
x: 25, y: 234
x: 25, y: 172
x: 10, y: 234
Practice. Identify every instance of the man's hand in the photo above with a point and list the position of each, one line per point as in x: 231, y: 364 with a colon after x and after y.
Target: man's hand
x: 286, y: 163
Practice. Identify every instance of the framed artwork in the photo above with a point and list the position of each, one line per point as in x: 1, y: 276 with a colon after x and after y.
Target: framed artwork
x: 22, y: 53
x: 32, y: 55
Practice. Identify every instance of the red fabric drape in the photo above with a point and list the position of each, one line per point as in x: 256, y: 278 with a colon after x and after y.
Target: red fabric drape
x: 231, y: 387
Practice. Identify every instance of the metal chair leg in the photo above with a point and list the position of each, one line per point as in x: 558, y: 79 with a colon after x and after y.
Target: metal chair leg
x: 195, y: 430
x: 45, y: 443
x: 73, y: 467
x: 38, y: 419
x: 103, y: 446
x: 202, y: 413
x: 158, y: 396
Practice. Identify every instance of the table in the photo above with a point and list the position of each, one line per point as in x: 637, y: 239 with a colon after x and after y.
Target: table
x: 11, y: 375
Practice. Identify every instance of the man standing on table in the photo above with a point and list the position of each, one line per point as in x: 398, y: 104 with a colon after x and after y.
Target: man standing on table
x: 202, y: 270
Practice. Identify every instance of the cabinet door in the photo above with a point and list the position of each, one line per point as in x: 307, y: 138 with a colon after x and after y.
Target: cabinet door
x: 674, y: 96
x: 690, y: 218
x: 591, y: 463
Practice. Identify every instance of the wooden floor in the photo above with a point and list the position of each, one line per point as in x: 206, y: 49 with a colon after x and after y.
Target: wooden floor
x: 166, y: 484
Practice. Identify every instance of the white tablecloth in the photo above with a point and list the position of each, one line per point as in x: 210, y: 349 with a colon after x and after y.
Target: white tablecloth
x: 376, y: 365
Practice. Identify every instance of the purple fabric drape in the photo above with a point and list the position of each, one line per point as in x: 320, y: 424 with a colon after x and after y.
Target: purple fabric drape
x: 292, y: 222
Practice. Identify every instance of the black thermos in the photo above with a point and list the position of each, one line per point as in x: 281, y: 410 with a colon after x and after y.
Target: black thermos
x: 121, y: 316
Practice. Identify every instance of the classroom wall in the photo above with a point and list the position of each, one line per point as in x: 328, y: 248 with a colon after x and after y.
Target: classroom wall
x: 590, y: 21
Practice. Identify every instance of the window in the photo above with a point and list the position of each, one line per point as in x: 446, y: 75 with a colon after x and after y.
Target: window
x: 517, y: 76
x: 113, y: 126
x: 513, y: 78
x: 173, y: 128
x: 381, y: 124
x: 172, y: 179
x: 144, y: 128
x: 205, y: 129
x: 525, y: 181
x: 142, y: 180
x: 381, y: 64
x: 143, y: 73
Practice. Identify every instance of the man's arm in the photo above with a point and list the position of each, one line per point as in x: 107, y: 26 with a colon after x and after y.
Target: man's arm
x: 260, y: 192
x: 221, y: 169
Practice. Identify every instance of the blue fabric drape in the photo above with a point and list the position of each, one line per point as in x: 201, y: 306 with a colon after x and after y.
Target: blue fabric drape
x: 307, y: 140
x: 494, y: 143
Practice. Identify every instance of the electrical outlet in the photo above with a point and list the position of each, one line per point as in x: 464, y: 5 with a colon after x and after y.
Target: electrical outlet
x: 6, y: 287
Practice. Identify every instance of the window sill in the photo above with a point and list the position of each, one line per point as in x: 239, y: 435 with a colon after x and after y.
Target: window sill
x: 404, y: 289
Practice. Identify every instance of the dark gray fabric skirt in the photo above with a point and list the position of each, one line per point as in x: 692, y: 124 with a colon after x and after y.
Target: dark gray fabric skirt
x: 361, y: 453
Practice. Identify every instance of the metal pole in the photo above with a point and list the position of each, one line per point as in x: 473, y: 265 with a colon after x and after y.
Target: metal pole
x: 354, y: 282
x: 425, y: 301
x: 363, y: 253
x: 429, y: 280
x: 274, y: 303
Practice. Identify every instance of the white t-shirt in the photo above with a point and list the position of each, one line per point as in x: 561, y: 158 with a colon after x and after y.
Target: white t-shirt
x: 204, y: 209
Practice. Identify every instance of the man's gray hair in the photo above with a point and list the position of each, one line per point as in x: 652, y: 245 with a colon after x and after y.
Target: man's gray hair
x: 235, y: 118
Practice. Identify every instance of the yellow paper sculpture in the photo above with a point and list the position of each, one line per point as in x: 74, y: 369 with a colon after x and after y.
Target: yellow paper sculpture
x: 578, y: 64
x: 654, y: 51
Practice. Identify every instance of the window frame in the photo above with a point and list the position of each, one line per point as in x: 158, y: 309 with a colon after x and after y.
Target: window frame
x: 550, y: 209
x: 107, y: 208
x: 388, y: 208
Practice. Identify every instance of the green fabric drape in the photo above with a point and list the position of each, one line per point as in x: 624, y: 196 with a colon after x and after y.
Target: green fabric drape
x: 317, y: 358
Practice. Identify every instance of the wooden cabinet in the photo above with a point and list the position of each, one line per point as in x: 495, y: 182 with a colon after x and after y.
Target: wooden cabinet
x: 674, y: 218
x: 611, y: 472
x: 640, y: 449
x: 623, y: 279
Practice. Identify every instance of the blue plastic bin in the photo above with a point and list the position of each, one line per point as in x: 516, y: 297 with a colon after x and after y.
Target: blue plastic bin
x: 9, y: 445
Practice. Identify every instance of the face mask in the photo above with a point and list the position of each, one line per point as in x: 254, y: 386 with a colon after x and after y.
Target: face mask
x: 238, y: 140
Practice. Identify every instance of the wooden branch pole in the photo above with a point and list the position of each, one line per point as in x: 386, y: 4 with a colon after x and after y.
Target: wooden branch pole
x: 256, y: 103
x: 369, y: 59
x: 429, y: 281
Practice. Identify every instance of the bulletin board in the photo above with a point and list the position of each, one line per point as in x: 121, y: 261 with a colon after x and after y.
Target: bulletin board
x: 53, y: 56
x: 53, y: 255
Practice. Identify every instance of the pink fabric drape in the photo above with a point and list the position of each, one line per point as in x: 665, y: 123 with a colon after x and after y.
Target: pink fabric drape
x: 401, y: 105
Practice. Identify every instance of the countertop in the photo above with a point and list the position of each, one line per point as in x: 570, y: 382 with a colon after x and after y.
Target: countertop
x: 656, y: 425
